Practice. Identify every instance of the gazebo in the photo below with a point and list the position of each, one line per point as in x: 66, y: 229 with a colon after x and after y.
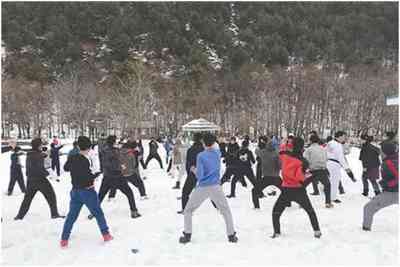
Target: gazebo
x: 199, y: 125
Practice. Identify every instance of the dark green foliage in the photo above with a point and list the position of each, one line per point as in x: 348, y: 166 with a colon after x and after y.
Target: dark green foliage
x: 267, y: 33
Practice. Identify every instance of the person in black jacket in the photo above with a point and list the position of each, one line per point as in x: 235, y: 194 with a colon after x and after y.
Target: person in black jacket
x: 153, y: 147
x: 55, y: 157
x: 16, y: 171
x: 369, y: 156
x: 36, y: 175
x: 112, y: 176
x: 222, y: 147
x: 244, y: 168
x: 83, y: 192
x: 191, y: 157
x: 231, y: 159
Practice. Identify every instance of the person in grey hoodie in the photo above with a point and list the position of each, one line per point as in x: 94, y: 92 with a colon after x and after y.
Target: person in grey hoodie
x: 317, y: 157
x: 270, y: 168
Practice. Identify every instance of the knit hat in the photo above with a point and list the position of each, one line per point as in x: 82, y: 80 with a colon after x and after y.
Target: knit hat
x: 389, y: 148
x: 84, y: 143
x: 36, y: 143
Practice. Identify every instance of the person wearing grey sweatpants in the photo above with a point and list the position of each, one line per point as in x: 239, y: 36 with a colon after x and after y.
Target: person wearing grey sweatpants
x: 216, y: 194
x: 389, y: 184
x: 208, y: 165
x: 379, y: 202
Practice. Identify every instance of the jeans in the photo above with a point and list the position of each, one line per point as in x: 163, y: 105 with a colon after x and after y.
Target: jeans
x: 89, y: 198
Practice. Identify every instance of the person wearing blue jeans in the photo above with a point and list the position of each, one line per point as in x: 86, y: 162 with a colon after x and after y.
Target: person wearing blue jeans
x: 83, y: 192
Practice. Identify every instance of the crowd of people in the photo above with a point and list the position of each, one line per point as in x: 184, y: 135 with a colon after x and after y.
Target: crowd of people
x: 289, y: 165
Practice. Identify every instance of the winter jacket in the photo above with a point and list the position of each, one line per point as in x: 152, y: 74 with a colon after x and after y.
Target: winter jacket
x: 191, y: 155
x: 15, y: 160
x: 390, y: 173
x: 208, y: 166
x: 270, y: 162
x: 232, y: 154
x: 316, y: 156
x: 222, y: 148
x: 55, y: 152
x: 81, y: 175
x: 111, y: 162
x: 168, y: 146
x: 178, y: 154
x: 369, y: 156
x: 153, y: 146
x: 275, y: 143
x: 34, y: 166
x: 246, y: 158
x: 73, y: 152
x: 293, y: 170
x: 129, y: 160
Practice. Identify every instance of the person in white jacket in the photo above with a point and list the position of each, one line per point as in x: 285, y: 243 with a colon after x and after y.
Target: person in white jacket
x: 337, y: 161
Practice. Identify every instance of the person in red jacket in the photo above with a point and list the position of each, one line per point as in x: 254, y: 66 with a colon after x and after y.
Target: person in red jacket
x: 294, y: 172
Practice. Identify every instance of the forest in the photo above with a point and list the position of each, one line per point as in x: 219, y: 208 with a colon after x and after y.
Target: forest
x: 261, y: 67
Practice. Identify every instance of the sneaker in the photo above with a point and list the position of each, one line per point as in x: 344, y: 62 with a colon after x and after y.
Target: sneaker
x: 329, y: 205
x: 317, y: 234
x: 107, y: 237
x: 64, y: 243
x: 185, y: 238
x: 337, y: 201
x: 275, y: 235
x: 367, y: 229
x: 135, y: 214
x: 233, y: 238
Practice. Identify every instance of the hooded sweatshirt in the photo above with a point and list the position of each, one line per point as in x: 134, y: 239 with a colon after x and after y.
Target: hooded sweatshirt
x: 270, y: 162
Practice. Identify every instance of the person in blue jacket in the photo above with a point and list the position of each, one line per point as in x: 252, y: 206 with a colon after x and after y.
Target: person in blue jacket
x: 207, y: 170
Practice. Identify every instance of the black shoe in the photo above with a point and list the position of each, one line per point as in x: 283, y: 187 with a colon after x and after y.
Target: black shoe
x: 17, y: 218
x: 233, y: 238
x: 275, y: 235
x: 91, y: 216
x: 58, y: 217
x: 337, y: 201
x: 180, y: 212
x: 288, y: 204
x: 365, y: 194
x: 177, y: 186
x: 244, y: 184
x: 377, y: 193
x: 314, y: 194
x: 317, y: 234
x: 185, y: 238
x: 366, y: 228
x: 135, y: 214
x: 342, y: 192
x: 273, y: 193
x: 230, y: 196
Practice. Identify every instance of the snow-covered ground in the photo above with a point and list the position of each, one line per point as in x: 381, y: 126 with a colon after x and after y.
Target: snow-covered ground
x: 35, y: 240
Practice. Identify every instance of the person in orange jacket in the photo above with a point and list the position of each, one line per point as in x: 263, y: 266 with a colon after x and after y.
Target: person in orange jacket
x: 294, y: 172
